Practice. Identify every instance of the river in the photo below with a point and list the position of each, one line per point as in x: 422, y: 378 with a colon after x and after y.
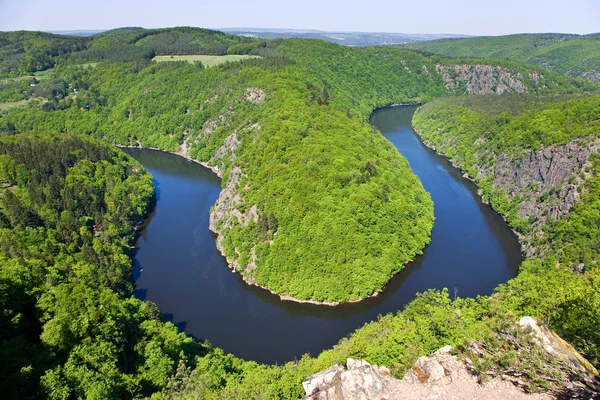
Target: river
x: 178, y: 267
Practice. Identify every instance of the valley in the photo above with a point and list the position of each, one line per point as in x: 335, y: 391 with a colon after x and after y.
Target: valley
x: 126, y: 279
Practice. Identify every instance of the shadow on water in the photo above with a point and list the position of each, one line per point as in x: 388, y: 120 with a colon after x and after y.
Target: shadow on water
x: 178, y: 267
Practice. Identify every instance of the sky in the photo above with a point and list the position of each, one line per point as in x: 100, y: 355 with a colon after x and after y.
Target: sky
x: 474, y: 17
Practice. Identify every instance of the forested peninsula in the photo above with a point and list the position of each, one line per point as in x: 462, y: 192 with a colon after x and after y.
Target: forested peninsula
x: 316, y: 204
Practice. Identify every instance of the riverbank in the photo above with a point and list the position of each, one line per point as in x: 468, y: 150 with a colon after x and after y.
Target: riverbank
x: 465, y: 175
x: 185, y: 274
x: 232, y: 263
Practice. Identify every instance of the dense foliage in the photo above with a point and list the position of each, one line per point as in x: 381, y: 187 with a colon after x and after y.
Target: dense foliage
x: 476, y: 131
x: 545, y: 288
x: 339, y: 211
x: 26, y: 52
x: 346, y: 212
x: 572, y: 55
x: 69, y: 326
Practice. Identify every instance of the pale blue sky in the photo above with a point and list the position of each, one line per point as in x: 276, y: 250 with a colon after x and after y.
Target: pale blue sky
x: 476, y: 17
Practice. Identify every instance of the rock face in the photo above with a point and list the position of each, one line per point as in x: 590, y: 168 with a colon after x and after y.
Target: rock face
x: 361, y: 381
x: 547, y: 181
x: 441, y: 365
x: 556, y: 346
x: 230, y: 201
x: 481, y: 79
x: 592, y: 75
x: 443, y: 375
x: 227, y: 207
x: 549, y: 168
x: 255, y: 95
x: 440, y: 376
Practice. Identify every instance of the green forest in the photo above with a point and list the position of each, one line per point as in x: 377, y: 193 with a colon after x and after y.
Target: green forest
x: 339, y: 209
x: 347, y: 220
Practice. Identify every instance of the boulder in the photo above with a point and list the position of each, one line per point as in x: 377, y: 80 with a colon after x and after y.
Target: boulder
x: 360, y: 381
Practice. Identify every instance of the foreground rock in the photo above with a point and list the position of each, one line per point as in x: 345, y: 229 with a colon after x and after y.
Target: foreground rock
x: 361, y: 381
x: 443, y: 375
x: 440, y: 376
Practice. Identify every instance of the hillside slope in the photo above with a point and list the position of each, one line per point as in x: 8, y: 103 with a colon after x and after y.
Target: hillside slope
x: 318, y: 206
x: 26, y: 52
x: 533, y: 158
x: 571, y: 55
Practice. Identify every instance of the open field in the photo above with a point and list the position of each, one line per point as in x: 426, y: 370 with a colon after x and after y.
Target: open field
x: 208, y: 61
x: 39, y: 75
x: 12, y: 104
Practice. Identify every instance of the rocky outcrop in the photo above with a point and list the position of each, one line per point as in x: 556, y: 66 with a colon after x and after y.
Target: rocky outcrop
x: 557, y: 347
x: 481, y: 79
x: 228, y: 207
x: 443, y: 375
x: 360, y: 381
x: 591, y: 75
x: 547, y: 181
x: 255, y: 95
x: 440, y: 376
x: 230, y: 203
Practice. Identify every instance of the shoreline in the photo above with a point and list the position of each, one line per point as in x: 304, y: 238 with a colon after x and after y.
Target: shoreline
x: 520, y: 236
x: 282, y: 297
x: 215, y: 170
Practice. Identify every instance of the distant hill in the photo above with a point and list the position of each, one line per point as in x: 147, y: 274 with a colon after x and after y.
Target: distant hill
x: 79, y: 32
x: 27, y: 52
x: 343, y: 38
x: 572, y: 55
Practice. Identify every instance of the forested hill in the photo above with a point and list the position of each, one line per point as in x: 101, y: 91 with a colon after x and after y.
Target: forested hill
x: 291, y: 129
x: 571, y: 55
x: 68, y: 206
x: 26, y: 52
x: 316, y: 205
x: 536, y: 160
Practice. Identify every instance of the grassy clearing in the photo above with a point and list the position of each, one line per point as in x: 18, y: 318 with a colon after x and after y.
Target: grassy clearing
x: 39, y: 75
x: 88, y: 65
x: 12, y: 104
x: 43, y: 75
x: 208, y: 61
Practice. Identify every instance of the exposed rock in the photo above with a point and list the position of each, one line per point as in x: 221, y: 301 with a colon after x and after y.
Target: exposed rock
x: 445, y: 376
x: 450, y: 380
x: 481, y: 79
x: 229, y: 146
x: 534, y: 76
x: 547, y: 180
x: 556, y: 346
x: 440, y: 365
x: 591, y: 75
x: 255, y: 95
x: 549, y: 167
x: 361, y: 381
x: 228, y: 205
x: 212, y: 125
x: 211, y: 99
